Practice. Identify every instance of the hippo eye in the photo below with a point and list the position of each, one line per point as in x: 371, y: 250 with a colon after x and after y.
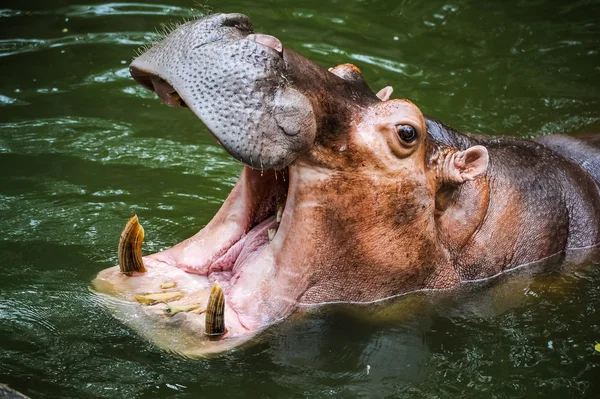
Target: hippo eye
x: 407, y: 133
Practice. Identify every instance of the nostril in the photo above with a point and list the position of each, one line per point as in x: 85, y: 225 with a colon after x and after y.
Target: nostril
x: 238, y: 21
x: 267, y: 40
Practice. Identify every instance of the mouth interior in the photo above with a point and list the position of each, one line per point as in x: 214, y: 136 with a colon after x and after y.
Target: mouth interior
x: 264, y: 207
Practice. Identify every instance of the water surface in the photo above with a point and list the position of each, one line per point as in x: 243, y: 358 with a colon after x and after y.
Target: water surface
x: 82, y: 147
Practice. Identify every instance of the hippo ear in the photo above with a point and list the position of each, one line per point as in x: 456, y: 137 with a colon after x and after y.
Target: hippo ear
x: 385, y: 93
x: 465, y: 165
x: 348, y: 72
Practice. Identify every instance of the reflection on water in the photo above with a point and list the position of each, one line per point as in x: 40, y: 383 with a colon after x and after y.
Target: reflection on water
x: 124, y: 8
x: 82, y: 147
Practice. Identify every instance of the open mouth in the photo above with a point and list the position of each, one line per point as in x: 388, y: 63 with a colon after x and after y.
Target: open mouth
x: 234, y: 81
x: 235, y: 254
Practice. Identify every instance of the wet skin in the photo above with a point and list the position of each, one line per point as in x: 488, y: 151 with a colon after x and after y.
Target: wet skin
x: 347, y: 196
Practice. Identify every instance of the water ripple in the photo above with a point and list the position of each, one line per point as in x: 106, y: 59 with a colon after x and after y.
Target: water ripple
x: 109, y: 142
x: 7, y: 13
x: 4, y: 100
x: 109, y: 9
x: 394, y: 66
x: 20, y: 46
x: 109, y: 76
x: 127, y: 9
x: 15, y: 311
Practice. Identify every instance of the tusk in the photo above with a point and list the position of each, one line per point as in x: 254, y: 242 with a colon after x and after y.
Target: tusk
x: 279, y: 213
x: 271, y: 233
x: 215, y: 312
x: 130, y: 247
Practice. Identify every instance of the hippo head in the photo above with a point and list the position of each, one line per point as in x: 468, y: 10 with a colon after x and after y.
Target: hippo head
x: 339, y: 200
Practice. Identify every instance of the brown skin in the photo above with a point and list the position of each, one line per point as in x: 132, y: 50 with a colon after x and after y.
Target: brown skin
x: 391, y: 218
x: 374, y: 215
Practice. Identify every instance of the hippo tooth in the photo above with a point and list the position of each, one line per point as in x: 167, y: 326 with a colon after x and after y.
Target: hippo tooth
x: 172, y: 310
x: 271, y: 233
x: 279, y: 212
x: 151, y: 299
x: 168, y: 284
x: 130, y: 247
x: 215, y: 312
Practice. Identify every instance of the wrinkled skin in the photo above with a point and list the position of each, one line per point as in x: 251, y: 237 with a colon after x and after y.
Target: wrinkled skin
x: 379, y: 200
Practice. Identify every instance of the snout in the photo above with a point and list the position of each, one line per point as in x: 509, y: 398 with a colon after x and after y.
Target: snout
x: 217, y: 27
x: 237, y: 82
x: 264, y: 103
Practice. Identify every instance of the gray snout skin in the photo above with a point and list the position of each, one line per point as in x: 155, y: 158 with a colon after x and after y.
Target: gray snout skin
x: 238, y: 83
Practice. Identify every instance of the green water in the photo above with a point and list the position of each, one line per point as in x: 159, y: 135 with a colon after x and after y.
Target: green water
x: 82, y: 147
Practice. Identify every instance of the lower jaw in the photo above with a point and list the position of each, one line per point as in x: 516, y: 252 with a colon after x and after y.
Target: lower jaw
x: 182, y: 333
x: 249, y: 261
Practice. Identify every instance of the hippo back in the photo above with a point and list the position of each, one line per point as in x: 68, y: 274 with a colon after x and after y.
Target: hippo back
x: 584, y: 150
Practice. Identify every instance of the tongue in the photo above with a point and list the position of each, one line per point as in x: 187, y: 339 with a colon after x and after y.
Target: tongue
x: 254, y: 242
x: 245, y: 250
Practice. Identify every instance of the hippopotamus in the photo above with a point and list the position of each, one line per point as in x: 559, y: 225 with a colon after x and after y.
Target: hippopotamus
x: 346, y: 195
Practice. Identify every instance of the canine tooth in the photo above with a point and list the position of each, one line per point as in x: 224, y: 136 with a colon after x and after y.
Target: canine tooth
x: 151, y: 299
x: 168, y: 284
x: 279, y: 213
x: 172, y: 310
x: 215, y: 312
x: 271, y: 233
x: 130, y: 247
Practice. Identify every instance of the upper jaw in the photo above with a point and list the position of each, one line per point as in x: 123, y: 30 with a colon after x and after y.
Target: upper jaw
x: 152, y: 78
x: 236, y: 82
